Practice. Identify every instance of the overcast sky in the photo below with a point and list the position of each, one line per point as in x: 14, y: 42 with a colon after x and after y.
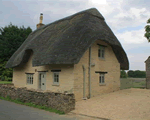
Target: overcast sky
x: 126, y: 18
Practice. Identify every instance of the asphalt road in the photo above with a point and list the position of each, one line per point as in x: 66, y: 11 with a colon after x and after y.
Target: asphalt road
x: 13, y: 111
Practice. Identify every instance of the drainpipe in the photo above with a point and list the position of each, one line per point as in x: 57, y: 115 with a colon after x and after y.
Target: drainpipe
x: 89, y: 72
x: 83, y: 82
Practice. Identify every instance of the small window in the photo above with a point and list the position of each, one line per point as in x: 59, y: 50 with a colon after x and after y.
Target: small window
x: 102, y: 79
x: 56, y: 78
x: 29, y: 78
x: 101, y: 52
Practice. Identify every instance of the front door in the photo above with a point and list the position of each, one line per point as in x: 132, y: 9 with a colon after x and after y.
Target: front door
x: 42, y: 81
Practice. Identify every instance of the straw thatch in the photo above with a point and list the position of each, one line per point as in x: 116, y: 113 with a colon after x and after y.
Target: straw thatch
x: 65, y: 41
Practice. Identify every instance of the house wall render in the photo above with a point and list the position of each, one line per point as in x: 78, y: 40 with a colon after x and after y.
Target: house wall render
x: 110, y: 64
x: 65, y: 80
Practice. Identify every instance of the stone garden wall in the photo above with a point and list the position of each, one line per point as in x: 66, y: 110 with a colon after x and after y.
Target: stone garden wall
x: 59, y: 101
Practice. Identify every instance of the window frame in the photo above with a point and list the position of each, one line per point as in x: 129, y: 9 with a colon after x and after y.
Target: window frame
x: 102, y: 78
x: 57, y: 73
x: 29, y: 78
x: 100, y: 53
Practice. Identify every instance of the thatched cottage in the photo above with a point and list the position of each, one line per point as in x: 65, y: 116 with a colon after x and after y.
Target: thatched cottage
x: 78, y: 54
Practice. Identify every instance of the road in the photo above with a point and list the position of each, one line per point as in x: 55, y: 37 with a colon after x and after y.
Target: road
x: 13, y: 111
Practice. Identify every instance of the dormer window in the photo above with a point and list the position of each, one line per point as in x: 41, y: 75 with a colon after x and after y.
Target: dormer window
x: 101, y: 52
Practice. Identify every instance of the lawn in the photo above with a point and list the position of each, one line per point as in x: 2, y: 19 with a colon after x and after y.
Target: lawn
x: 5, y: 82
x: 132, y: 83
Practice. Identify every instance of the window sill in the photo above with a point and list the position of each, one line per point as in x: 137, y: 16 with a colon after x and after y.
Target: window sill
x: 55, y: 85
x: 102, y: 84
x: 29, y: 84
x: 101, y: 58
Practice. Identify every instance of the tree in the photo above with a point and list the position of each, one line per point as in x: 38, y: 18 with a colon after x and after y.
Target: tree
x: 147, y: 30
x: 140, y: 74
x: 123, y: 74
x: 130, y: 73
x: 136, y: 74
x: 11, y: 38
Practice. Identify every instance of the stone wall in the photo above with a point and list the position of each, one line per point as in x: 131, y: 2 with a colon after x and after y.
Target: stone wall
x: 147, y: 66
x: 59, y: 101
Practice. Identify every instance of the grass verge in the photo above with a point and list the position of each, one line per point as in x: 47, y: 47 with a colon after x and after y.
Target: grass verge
x: 33, y: 105
x: 5, y: 82
x: 126, y: 83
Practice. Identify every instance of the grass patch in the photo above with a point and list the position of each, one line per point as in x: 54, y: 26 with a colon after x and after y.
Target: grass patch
x: 5, y: 82
x: 18, y: 101
x: 126, y: 83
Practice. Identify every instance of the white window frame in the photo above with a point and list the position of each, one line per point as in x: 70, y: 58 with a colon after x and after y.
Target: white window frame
x: 102, y: 78
x: 101, y: 51
x: 56, y: 78
x: 29, y: 78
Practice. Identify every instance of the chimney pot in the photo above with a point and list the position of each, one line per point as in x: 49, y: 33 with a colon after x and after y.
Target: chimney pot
x: 40, y: 23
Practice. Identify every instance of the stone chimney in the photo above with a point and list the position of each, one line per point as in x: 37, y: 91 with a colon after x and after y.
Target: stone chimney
x: 40, y: 23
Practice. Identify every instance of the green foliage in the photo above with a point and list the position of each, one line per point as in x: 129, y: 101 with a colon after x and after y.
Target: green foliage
x: 136, y: 74
x: 11, y: 38
x: 5, y: 82
x: 147, y: 30
x: 130, y: 73
x: 123, y: 74
x: 8, y: 97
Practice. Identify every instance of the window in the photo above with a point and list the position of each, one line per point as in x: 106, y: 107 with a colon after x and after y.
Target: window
x: 56, y: 78
x: 102, y: 79
x: 29, y: 78
x: 101, y: 52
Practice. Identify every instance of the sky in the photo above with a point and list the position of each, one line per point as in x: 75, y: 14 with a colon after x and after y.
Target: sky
x: 126, y: 18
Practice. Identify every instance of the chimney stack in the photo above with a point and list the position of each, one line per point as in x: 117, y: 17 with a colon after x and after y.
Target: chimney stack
x: 40, y: 23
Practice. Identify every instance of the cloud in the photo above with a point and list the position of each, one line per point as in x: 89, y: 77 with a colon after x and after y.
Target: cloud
x: 137, y: 61
x: 131, y: 18
x: 126, y: 18
x: 98, y: 2
x: 132, y: 37
x: 126, y: 4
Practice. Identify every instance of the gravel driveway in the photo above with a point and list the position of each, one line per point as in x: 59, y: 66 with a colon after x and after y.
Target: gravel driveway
x: 127, y: 104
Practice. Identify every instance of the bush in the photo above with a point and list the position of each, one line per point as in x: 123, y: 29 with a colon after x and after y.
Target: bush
x: 123, y: 74
x: 5, y: 74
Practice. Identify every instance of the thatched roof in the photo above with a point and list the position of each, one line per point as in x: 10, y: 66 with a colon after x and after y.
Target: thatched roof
x: 147, y: 59
x: 65, y: 41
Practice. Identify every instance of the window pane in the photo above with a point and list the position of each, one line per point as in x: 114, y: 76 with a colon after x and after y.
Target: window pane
x: 99, y: 53
x: 102, y: 53
x: 55, y: 79
x: 58, y: 79
x: 55, y: 75
x: 99, y: 79
x: 103, y: 79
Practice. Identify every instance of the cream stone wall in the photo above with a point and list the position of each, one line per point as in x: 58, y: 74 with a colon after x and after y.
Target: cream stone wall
x: 110, y: 64
x: 65, y: 80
